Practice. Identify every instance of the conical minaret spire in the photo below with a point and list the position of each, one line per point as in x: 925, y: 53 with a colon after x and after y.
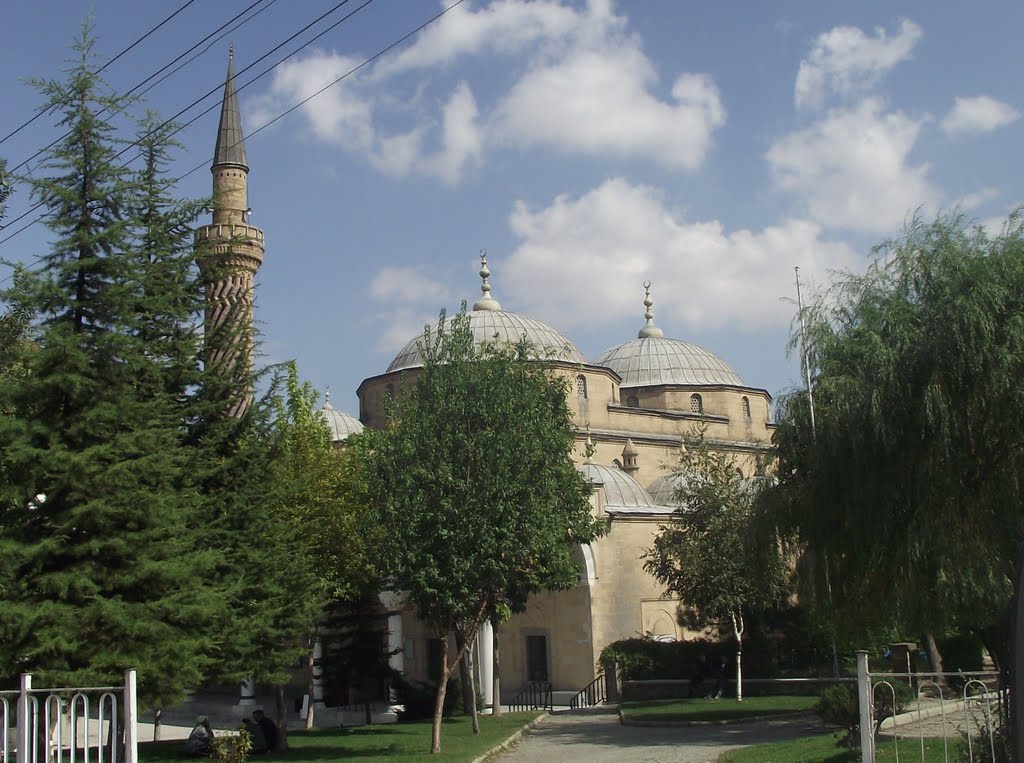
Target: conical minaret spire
x: 230, y: 147
x: 649, y: 329
x: 229, y: 252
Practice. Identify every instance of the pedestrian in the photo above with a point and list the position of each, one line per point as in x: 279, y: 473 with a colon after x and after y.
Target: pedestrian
x: 721, y: 677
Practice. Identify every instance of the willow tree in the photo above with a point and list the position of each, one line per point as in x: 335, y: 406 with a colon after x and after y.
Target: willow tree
x: 473, y: 477
x: 911, y: 484
x: 715, y: 555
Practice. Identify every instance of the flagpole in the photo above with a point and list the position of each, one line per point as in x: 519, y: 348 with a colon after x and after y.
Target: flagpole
x: 814, y: 434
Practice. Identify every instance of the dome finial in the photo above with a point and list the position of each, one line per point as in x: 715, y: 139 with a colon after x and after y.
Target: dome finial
x: 327, y: 397
x: 486, y: 302
x: 649, y: 329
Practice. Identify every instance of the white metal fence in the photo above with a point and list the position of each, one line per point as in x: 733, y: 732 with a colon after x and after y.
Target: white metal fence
x: 91, y: 724
x: 938, y: 714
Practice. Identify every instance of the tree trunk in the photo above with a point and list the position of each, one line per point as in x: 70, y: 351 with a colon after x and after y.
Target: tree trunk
x: 934, y: 657
x: 468, y: 683
x: 157, y: 724
x: 282, y: 719
x: 310, y: 690
x: 442, y: 687
x: 737, y: 627
x: 496, y: 682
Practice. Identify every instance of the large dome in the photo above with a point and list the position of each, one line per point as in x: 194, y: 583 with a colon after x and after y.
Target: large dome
x: 651, y: 359
x: 491, y: 325
x: 663, y: 490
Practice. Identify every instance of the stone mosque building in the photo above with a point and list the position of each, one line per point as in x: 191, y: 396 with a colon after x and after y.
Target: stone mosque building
x: 632, y: 404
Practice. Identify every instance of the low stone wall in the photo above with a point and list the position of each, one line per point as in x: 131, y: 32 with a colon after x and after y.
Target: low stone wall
x: 752, y: 687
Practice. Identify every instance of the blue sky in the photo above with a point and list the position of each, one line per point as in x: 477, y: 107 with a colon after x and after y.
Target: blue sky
x: 588, y: 147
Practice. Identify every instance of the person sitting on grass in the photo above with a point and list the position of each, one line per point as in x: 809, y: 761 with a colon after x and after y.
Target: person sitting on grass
x: 697, y: 681
x: 198, y: 743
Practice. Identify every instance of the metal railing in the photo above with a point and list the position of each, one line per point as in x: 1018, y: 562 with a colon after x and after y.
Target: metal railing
x: 971, y: 716
x: 534, y: 696
x: 594, y: 693
x: 93, y: 723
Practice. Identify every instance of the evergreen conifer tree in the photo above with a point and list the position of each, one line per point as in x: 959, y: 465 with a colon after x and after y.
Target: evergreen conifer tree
x: 98, y: 512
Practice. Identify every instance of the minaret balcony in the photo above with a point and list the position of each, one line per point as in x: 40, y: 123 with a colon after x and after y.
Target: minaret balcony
x: 221, y: 232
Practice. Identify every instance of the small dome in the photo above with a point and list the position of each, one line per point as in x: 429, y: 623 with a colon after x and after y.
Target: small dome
x: 499, y: 327
x: 650, y: 361
x: 663, y: 490
x: 620, y: 490
x: 341, y: 424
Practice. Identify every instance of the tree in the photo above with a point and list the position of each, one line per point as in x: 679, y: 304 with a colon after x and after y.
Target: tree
x: 474, y: 480
x: 910, y: 485
x: 714, y: 555
x: 97, y: 508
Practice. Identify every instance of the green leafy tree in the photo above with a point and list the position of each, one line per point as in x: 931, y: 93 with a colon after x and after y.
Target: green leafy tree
x: 474, y: 480
x: 910, y: 485
x: 715, y: 555
x: 98, y: 513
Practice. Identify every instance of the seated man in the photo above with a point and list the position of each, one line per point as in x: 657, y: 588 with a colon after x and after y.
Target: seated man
x: 269, y: 728
x: 256, y: 735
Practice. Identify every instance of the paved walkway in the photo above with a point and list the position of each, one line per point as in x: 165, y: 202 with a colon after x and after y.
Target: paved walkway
x: 595, y: 735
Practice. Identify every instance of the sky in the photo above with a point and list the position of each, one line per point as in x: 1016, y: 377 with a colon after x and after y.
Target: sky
x: 588, y: 147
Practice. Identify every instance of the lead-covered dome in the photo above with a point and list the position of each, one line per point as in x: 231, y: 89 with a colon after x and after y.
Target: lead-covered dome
x: 620, y: 490
x: 491, y: 325
x: 651, y: 359
x: 341, y: 424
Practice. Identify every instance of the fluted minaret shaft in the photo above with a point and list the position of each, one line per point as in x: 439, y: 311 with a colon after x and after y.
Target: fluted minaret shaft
x: 230, y: 251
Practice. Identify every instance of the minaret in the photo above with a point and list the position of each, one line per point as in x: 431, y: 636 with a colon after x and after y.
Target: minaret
x: 229, y: 252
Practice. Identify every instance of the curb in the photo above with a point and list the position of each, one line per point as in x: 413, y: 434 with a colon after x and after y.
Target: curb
x: 916, y: 716
x: 502, y: 746
x: 722, y: 722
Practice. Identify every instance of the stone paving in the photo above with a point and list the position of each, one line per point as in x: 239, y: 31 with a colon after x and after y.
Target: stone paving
x: 595, y: 735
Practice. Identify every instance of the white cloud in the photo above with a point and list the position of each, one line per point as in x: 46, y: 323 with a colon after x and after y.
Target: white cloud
x: 974, y: 200
x: 978, y: 114
x: 577, y: 254
x: 580, y: 84
x: 844, y: 61
x: 599, y: 101
x: 852, y: 168
x: 408, y: 285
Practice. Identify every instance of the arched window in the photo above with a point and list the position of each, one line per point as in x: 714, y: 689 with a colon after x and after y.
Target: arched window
x: 581, y: 386
x: 633, y: 401
x: 745, y: 402
x: 696, y: 404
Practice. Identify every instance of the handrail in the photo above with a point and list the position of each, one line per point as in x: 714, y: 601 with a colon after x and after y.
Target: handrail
x: 594, y: 693
x: 534, y: 696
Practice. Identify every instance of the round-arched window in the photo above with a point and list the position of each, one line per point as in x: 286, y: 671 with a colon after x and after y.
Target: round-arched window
x: 581, y: 386
x: 745, y: 402
x: 696, y: 404
x: 633, y: 401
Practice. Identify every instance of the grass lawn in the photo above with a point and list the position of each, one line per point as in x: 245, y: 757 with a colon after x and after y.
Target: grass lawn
x: 703, y: 709
x: 827, y: 749
x: 398, y: 742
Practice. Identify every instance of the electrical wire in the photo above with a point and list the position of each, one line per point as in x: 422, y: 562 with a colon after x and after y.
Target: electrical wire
x: 280, y: 116
x: 43, y: 110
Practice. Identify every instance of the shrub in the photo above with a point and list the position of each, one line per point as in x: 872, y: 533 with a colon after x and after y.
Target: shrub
x: 839, y: 706
x: 232, y: 748
x: 418, y: 699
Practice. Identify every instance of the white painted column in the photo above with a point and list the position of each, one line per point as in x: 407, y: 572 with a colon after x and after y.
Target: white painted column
x: 247, y: 693
x: 131, y: 718
x: 26, y: 730
x: 396, y: 645
x: 485, y: 661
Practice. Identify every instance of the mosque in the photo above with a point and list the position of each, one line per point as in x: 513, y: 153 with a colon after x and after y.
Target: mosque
x: 631, y: 405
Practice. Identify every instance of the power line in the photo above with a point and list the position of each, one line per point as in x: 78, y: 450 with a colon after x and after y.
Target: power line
x: 199, y: 100
x: 143, y: 82
x: 43, y: 110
